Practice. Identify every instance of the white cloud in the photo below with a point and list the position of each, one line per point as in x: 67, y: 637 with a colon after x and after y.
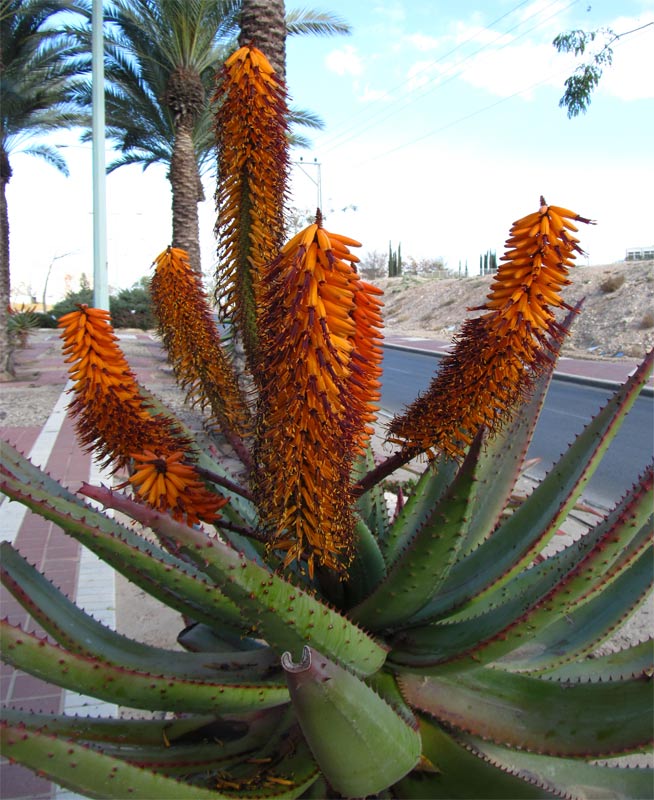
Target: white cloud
x: 423, y: 43
x: 392, y: 10
x: 345, y: 61
x: 371, y: 95
x: 517, y: 68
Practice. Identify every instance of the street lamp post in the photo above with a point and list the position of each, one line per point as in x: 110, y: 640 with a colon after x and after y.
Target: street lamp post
x: 100, y: 281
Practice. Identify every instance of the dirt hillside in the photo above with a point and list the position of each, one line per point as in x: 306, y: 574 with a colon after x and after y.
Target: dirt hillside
x: 617, y: 320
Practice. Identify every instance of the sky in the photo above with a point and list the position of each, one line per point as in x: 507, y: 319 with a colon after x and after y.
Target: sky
x: 441, y: 127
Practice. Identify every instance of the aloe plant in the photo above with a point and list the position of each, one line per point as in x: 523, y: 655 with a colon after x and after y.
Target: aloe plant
x: 335, y: 648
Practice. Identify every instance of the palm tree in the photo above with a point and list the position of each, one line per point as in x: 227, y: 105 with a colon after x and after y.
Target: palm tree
x: 263, y: 25
x: 38, y: 66
x: 161, y: 61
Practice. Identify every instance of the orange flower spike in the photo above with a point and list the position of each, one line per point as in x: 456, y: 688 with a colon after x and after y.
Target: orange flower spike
x: 306, y: 406
x: 111, y: 416
x: 498, y: 355
x: 253, y: 164
x: 193, y: 343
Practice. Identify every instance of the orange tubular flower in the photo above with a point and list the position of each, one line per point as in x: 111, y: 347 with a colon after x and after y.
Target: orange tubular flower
x: 315, y: 316
x: 498, y: 355
x: 251, y: 131
x: 190, y: 336
x: 167, y: 482
x: 114, y: 420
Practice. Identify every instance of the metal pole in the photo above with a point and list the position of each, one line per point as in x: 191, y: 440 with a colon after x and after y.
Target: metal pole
x: 100, y: 281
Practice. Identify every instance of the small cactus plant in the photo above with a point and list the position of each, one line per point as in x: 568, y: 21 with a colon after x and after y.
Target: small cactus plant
x: 334, y: 649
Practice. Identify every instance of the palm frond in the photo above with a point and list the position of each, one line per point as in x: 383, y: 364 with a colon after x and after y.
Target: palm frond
x: 301, y: 21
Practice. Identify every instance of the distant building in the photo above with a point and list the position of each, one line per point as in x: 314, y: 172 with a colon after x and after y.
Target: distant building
x: 640, y: 253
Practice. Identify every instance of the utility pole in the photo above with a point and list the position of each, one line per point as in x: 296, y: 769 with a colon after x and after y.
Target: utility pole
x: 317, y: 181
x: 100, y: 280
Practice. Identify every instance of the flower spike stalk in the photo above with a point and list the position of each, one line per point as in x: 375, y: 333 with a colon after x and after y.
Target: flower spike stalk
x: 251, y: 131
x: 498, y: 356
x: 114, y: 421
x: 320, y: 363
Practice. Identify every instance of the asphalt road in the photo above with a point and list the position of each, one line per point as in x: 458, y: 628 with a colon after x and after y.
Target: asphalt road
x: 568, y: 407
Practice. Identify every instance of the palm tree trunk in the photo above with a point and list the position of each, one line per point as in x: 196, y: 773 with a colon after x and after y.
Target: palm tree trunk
x: 187, y: 193
x: 6, y: 351
x: 263, y: 25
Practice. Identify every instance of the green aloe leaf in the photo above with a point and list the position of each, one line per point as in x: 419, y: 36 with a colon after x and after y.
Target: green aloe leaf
x: 586, y: 626
x: 564, y: 719
x: 78, y: 632
x: 200, y: 638
x: 453, y: 770
x: 188, y: 729
x: 543, y: 594
x: 423, y: 564
x: 450, y: 647
x: 177, y: 584
x: 15, y: 463
x: 83, y: 769
x: 361, y: 744
x: 131, y: 687
x: 372, y: 504
x: 570, y: 777
x: 520, y: 538
x: 429, y: 490
x: 500, y: 463
x: 631, y: 662
x: 286, y: 616
x: 368, y: 567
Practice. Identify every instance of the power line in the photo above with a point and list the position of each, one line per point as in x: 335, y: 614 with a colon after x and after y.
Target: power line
x: 341, y: 139
x: 424, y: 68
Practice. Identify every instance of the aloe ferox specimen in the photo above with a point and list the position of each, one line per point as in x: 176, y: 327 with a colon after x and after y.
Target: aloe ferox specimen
x: 334, y: 648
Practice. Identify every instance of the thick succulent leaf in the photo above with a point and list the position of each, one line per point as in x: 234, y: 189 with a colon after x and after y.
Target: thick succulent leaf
x: 368, y: 567
x: 200, y: 638
x: 570, y: 777
x: 82, y: 769
x: 286, y: 616
x: 544, y: 594
x: 78, y: 632
x: 454, y: 770
x: 423, y: 564
x: 15, y: 463
x: 172, y: 581
x: 585, y: 627
x: 361, y: 744
x: 371, y: 505
x: 631, y: 662
x: 254, y: 728
x: 430, y: 488
x: 601, y: 551
x: 131, y: 687
x: 172, y: 746
x: 500, y: 463
x: 284, y: 767
x: 521, y: 537
x: 567, y: 719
